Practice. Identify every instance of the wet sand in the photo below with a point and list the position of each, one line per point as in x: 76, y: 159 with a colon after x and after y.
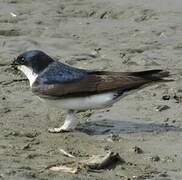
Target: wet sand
x: 100, y: 34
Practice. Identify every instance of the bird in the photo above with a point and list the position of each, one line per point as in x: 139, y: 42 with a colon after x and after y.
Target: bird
x: 75, y: 89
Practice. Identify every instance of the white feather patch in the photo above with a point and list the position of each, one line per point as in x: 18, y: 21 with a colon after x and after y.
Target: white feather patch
x: 29, y: 73
x: 82, y: 103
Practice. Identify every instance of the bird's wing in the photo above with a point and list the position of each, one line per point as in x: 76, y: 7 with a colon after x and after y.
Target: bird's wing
x: 58, y: 73
x: 91, y: 82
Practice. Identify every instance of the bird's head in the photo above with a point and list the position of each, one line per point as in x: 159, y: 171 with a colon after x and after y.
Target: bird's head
x: 31, y: 63
x: 36, y: 60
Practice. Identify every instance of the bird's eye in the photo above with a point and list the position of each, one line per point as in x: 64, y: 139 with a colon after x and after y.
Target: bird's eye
x: 22, y: 59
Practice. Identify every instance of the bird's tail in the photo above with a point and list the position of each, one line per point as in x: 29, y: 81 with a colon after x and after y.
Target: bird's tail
x: 153, y: 75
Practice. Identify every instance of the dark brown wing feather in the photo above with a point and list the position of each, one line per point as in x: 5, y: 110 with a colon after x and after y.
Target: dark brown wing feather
x: 100, y: 81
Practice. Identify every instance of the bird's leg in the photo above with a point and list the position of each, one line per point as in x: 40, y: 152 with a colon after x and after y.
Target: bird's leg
x: 68, y: 125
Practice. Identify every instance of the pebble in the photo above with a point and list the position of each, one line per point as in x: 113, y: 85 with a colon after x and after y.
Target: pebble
x: 155, y: 158
x: 162, y: 107
x: 115, y: 137
x: 178, y: 98
x: 137, y: 150
x: 166, y: 97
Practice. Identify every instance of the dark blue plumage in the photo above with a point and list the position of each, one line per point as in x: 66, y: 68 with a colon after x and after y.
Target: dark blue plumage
x: 49, y: 70
x: 35, y: 59
x: 29, y: 55
x: 60, y: 73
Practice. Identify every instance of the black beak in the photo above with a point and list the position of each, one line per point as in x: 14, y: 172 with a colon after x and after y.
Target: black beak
x: 14, y: 63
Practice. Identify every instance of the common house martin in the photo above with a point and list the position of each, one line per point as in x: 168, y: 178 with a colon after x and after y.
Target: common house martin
x: 77, y: 89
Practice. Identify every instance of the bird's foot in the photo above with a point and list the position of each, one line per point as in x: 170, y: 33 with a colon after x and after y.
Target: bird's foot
x: 68, y: 125
x: 58, y: 130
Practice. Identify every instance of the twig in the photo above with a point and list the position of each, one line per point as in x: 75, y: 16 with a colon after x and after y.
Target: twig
x: 66, y: 153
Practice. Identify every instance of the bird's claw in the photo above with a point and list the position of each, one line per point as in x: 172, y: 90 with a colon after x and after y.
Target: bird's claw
x: 57, y: 130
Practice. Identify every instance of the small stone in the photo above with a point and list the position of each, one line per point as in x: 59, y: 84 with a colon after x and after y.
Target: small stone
x: 178, y: 98
x: 166, y: 97
x: 173, y: 121
x: 155, y: 158
x: 115, y: 137
x: 137, y: 150
x: 162, y: 107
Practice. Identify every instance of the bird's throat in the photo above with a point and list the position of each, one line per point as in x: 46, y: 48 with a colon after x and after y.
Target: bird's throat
x: 29, y: 73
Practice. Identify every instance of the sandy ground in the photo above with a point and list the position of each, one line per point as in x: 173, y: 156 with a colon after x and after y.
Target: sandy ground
x: 99, y: 34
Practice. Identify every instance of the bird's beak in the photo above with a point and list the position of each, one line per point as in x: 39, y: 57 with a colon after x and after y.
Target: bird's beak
x: 14, y: 63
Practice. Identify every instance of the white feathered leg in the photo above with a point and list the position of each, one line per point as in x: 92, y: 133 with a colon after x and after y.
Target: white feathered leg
x: 69, y: 123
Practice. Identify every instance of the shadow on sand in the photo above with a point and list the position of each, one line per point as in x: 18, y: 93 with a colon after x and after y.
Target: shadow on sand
x: 107, y: 126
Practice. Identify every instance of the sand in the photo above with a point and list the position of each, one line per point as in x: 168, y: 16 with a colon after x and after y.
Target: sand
x: 112, y: 35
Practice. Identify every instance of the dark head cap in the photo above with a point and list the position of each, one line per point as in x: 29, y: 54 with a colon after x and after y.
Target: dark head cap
x: 35, y: 59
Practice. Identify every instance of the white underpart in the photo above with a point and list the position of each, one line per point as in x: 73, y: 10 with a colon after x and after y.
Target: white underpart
x: 83, y: 103
x: 29, y: 73
x: 80, y: 103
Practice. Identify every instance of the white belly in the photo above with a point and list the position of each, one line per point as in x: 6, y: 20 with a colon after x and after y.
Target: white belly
x: 83, y: 103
